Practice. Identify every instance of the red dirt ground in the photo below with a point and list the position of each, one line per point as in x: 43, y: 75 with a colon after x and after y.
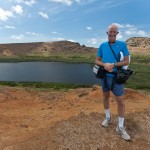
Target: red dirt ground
x: 69, y: 120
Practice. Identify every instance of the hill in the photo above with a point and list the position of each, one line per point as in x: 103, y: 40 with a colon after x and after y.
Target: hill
x: 139, y: 45
x: 44, y: 49
x: 136, y: 45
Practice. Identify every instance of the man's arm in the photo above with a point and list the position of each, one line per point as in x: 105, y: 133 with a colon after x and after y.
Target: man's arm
x: 99, y: 62
x: 107, y: 66
x: 124, y: 62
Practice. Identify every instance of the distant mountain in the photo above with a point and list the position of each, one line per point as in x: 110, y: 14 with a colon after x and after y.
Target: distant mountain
x: 138, y: 42
x: 44, y: 49
x: 136, y: 45
x: 139, y: 45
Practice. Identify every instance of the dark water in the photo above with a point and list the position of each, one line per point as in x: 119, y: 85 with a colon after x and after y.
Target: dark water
x: 48, y: 72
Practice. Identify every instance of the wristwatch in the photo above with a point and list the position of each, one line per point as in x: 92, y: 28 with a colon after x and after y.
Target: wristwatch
x: 115, y: 64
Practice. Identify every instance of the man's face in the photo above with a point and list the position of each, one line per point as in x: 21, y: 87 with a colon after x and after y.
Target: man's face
x: 112, y: 33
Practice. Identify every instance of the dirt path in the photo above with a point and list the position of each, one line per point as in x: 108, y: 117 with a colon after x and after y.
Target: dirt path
x: 57, y: 120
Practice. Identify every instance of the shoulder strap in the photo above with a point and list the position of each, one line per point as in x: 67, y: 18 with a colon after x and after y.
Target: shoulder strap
x: 113, y: 52
x: 115, y: 56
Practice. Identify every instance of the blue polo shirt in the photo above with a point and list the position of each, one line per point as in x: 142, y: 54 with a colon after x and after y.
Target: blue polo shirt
x: 105, y: 53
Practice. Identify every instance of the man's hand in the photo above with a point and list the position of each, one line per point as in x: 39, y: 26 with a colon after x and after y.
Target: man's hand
x: 109, y: 67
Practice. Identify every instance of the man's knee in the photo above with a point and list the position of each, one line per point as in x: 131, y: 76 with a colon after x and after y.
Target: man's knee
x: 120, y: 101
x: 106, y: 95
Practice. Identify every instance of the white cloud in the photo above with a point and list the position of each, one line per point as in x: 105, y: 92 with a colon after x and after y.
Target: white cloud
x: 126, y: 31
x: 89, y: 28
x: 34, y: 34
x: 142, y: 33
x: 17, y: 37
x: 84, y: 2
x: 55, y: 9
x: 10, y: 27
x: 130, y: 30
x: 55, y: 32
x: 119, y: 36
x: 58, y: 39
x: 93, y: 41
x: 67, y: 2
x: 17, y: 9
x: 5, y: 14
x: 119, y: 25
x: 78, y: 1
x: 71, y: 40
x: 29, y: 2
x: 102, y: 5
x: 62, y: 39
x: 115, y: 4
x: 97, y: 41
x: 104, y: 39
x: 44, y: 15
x: 124, y: 25
x: 134, y: 31
x: 129, y: 26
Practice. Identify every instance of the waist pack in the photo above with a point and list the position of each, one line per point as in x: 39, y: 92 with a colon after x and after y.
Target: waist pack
x: 122, y: 75
x: 99, y: 71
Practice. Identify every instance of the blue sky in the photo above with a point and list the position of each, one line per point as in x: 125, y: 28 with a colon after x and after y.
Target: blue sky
x: 83, y: 21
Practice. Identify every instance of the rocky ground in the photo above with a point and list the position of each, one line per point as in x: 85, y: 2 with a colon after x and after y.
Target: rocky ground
x: 70, y: 120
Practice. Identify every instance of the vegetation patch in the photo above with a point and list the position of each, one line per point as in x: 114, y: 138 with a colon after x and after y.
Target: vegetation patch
x: 41, y: 85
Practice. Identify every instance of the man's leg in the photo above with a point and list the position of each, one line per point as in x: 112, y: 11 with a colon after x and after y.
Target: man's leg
x: 107, y: 120
x: 121, y: 111
x: 118, y: 91
x: 106, y: 96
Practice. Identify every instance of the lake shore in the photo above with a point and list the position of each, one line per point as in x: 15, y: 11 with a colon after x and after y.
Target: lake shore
x: 73, y: 58
x: 139, y: 63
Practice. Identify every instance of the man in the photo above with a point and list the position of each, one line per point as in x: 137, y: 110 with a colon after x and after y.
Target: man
x: 106, y: 58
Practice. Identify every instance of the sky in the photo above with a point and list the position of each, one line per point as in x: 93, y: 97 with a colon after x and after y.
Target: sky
x: 82, y: 21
